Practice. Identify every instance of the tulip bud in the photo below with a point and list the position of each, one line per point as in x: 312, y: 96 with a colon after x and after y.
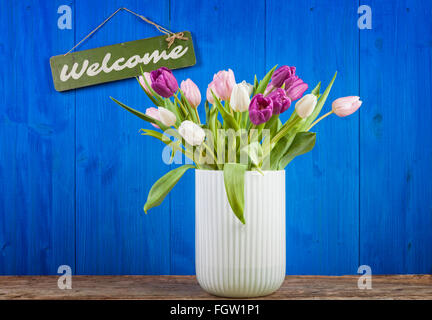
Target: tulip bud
x: 209, y: 95
x: 240, y: 100
x: 142, y: 82
x: 164, y: 82
x: 192, y: 133
x: 281, y: 75
x: 222, y: 85
x: 248, y: 86
x: 295, y: 87
x: 167, y: 117
x: 191, y: 92
x: 306, y: 105
x: 260, y: 109
x: 153, y: 113
x: 345, y: 106
x: 281, y: 102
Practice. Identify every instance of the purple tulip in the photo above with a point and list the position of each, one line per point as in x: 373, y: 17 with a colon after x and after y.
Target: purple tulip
x: 282, y: 74
x: 295, y: 87
x: 260, y: 109
x: 164, y: 82
x: 281, y: 102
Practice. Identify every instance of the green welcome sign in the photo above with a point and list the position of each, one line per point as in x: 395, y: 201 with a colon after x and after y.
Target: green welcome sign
x: 120, y: 61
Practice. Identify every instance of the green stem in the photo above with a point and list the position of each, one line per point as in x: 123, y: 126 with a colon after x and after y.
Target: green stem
x: 243, y: 121
x: 319, y: 119
x: 197, y: 115
x: 182, y: 107
x: 250, y: 132
x: 211, y: 153
x: 287, y: 126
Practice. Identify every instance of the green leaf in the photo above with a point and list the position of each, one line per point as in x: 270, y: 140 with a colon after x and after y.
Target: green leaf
x: 316, y: 90
x: 255, y: 85
x: 227, y: 117
x: 279, y: 150
x: 148, y: 95
x: 273, y: 125
x: 163, y: 186
x: 265, y: 81
x: 207, y: 111
x: 141, y: 115
x: 254, y: 152
x: 303, y: 142
x: 189, y: 108
x: 320, y: 104
x: 234, y: 176
x: 175, y: 145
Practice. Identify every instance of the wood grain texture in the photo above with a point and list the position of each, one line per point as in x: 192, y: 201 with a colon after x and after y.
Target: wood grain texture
x: 395, y: 140
x: 75, y: 173
x: 36, y: 142
x: 186, y: 287
x: 319, y: 38
x: 116, y: 166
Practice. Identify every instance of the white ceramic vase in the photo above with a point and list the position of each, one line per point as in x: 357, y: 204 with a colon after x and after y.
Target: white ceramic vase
x: 232, y: 259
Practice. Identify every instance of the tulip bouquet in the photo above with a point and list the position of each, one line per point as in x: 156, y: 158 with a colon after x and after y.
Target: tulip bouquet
x: 242, y: 130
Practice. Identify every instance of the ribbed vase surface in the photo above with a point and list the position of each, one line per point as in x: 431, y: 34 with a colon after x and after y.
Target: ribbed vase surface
x: 232, y: 259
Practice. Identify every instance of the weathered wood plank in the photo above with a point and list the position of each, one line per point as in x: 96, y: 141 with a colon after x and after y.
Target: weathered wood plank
x: 186, y: 287
x: 319, y: 38
x: 37, y: 136
x: 395, y: 140
x: 116, y: 166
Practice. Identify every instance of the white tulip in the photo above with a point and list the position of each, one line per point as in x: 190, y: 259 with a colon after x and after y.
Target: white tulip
x: 306, y: 105
x: 240, y: 96
x: 167, y: 117
x: 192, y: 133
x: 248, y: 86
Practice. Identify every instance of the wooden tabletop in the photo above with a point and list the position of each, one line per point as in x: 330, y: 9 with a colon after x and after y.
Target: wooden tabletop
x: 186, y: 287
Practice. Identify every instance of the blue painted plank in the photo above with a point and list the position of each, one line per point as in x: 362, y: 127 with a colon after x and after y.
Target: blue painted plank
x: 319, y: 38
x: 228, y: 34
x: 36, y: 141
x: 116, y: 166
x: 396, y: 145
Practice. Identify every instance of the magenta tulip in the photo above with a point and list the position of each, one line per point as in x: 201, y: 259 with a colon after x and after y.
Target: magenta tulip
x: 295, y: 87
x: 164, y: 82
x: 346, y: 105
x: 281, y: 75
x: 260, y: 109
x: 281, y: 102
x: 191, y: 92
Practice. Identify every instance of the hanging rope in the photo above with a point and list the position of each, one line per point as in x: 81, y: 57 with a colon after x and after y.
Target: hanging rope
x: 170, y: 39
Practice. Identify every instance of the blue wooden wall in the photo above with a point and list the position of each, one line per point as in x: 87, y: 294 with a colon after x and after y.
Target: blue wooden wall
x: 74, y: 172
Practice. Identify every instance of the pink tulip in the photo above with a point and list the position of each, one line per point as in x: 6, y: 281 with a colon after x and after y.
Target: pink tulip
x: 209, y: 95
x: 142, y: 82
x: 346, y: 105
x: 153, y: 113
x: 191, y: 92
x: 222, y: 85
